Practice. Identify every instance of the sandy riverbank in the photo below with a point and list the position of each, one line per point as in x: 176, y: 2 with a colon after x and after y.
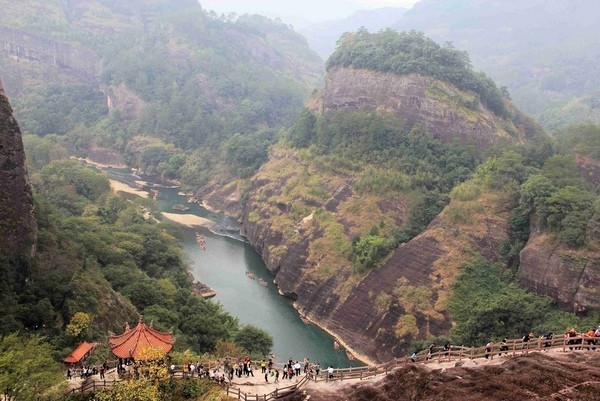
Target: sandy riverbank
x: 189, y: 220
x: 118, y: 186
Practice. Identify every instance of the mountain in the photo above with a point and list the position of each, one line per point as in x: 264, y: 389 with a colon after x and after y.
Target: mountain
x: 162, y: 85
x: 365, y: 213
x: 323, y: 36
x: 545, y: 52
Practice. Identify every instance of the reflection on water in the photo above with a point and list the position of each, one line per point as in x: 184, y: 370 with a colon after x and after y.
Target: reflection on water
x: 223, y: 265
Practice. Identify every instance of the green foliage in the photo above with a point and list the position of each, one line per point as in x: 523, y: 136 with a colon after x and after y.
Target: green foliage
x: 191, y: 389
x: 369, y: 251
x: 584, y: 139
x: 27, y: 368
x: 254, y: 340
x: 57, y: 109
x: 412, y: 52
x: 393, y: 159
x: 466, y: 191
x: 486, y: 304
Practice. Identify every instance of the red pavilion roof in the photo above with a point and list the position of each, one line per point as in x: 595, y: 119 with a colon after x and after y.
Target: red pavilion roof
x: 79, y: 352
x: 130, y: 343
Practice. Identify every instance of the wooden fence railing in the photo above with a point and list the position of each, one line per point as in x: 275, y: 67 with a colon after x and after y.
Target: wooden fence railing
x: 512, y: 347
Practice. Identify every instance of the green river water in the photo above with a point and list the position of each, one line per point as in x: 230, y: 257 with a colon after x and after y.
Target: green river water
x: 222, y: 266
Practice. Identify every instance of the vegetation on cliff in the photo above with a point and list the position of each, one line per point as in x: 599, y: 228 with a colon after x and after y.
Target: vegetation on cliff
x: 385, y: 159
x: 412, y: 52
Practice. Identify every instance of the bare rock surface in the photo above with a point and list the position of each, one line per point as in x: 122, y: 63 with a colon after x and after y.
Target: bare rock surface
x: 18, y: 227
x: 447, y: 113
x: 570, y: 276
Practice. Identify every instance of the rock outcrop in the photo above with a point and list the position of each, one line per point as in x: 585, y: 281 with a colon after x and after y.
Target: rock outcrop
x: 18, y: 227
x: 448, y: 113
x: 32, y: 59
x: 570, y: 276
x: 373, y: 313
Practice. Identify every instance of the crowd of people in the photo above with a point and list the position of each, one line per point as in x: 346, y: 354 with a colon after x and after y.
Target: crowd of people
x: 245, y: 367
x: 87, y: 371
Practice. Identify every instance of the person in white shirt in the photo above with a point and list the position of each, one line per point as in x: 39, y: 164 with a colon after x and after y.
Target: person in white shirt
x: 330, y: 371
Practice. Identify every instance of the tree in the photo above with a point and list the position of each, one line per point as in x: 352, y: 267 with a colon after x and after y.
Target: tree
x: 79, y: 325
x: 253, y: 339
x: 27, y: 370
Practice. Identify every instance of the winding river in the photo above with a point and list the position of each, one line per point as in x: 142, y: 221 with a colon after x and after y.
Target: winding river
x: 223, y: 265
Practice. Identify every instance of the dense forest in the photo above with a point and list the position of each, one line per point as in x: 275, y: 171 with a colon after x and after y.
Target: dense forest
x: 207, y: 94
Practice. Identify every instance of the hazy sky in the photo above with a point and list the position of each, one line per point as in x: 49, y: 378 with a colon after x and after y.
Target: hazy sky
x: 298, y: 12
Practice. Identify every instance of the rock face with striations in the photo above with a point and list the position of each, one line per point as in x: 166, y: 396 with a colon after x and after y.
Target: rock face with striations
x: 371, y: 313
x: 570, y: 276
x: 448, y: 113
x: 18, y: 227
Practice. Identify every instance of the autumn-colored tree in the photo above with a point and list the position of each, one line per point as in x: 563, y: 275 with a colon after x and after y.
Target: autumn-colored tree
x: 227, y: 348
x: 79, y: 325
x: 153, y: 365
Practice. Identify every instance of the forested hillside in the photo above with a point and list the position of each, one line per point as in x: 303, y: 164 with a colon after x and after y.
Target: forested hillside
x: 165, y: 86
x: 546, y: 53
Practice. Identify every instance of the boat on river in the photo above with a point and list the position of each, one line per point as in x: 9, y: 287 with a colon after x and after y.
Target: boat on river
x: 201, y: 240
x: 349, y: 355
x: 263, y: 282
x: 250, y: 275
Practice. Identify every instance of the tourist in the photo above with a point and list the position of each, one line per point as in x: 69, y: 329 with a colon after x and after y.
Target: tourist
x: 266, y: 376
x: 504, y: 346
x: 317, y: 369
x: 430, y: 352
x: 548, y: 336
x: 591, y: 342
x: 297, y: 368
x: 525, y: 341
x: 290, y: 372
x: 447, y: 348
x: 276, y: 376
x: 570, y: 334
x: 270, y: 364
x: 306, y: 364
x: 101, y: 372
x: 488, y: 349
x: 330, y: 372
x: 263, y: 366
x: 250, y: 368
x: 285, y: 371
x: 69, y: 374
x: 413, y: 357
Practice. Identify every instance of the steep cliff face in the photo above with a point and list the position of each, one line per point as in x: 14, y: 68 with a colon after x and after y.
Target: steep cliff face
x: 448, y: 113
x: 31, y: 59
x: 570, y: 276
x: 17, y: 219
x: 374, y: 313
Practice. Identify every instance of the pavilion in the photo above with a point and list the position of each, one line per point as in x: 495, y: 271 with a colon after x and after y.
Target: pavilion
x: 132, y: 341
x: 83, y: 351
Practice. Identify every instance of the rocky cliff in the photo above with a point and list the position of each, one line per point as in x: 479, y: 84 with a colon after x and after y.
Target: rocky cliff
x: 570, y: 276
x: 448, y: 113
x: 31, y: 59
x: 373, y: 313
x: 17, y: 219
